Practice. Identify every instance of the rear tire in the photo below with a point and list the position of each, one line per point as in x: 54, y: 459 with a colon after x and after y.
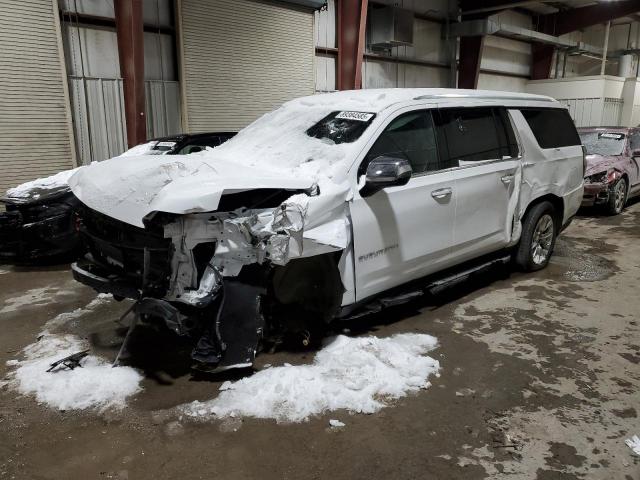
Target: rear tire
x: 617, y: 197
x: 539, y: 232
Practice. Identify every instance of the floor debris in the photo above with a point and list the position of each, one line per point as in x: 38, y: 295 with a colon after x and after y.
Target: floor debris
x: 70, y: 361
x: 634, y: 444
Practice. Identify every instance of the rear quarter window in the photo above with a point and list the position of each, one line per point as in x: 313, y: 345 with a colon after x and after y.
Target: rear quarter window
x: 552, y: 127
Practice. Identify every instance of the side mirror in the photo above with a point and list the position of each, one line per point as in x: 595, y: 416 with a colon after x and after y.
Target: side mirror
x: 385, y: 172
x: 635, y: 153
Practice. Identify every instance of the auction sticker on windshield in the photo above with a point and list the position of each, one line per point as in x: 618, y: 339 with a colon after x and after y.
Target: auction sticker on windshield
x: 359, y: 116
x: 615, y: 136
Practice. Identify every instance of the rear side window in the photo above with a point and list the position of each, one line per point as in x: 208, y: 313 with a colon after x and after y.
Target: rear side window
x: 475, y: 134
x: 552, y: 127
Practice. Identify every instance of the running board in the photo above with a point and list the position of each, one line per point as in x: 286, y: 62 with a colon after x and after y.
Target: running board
x: 433, y: 287
x: 439, y: 285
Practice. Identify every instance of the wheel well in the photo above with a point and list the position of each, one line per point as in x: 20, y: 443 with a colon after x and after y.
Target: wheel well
x: 557, y: 203
x: 626, y: 179
x: 311, y: 283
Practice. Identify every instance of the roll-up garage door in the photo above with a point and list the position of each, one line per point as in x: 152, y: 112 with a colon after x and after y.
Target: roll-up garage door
x: 242, y: 58
x: 35, y: 124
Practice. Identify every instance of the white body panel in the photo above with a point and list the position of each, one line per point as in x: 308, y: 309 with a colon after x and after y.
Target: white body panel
x: 485, y: 207
x: 402, y: 233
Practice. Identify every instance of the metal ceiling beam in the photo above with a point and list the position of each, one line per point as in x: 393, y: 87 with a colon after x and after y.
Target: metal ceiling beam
x: 469, y: 7
x: 352, y: 21
x: 130, y: 34
x: 568, y: 21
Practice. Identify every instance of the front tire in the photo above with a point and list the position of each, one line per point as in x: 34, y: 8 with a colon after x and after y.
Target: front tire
x: 617, y: 197
x: 539, y: 232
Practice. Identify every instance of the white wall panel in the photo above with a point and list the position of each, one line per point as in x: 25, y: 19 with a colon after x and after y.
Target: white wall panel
x: 325, y: 26
x: 159, y: 54
x: 387, y: 74
x: 100, y: 8
x: 34, y: 121
x: 505, y: 55
x: 243, y: 58
x: 503, y: 83
x: 91, y: 52
x: 156, y: 12
x: 99, y: 121
x: 325, y: 72
x: 162, y: 108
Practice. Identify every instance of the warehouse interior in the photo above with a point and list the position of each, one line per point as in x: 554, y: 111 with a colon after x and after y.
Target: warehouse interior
x: 494, y: 371
x: 191, y: 66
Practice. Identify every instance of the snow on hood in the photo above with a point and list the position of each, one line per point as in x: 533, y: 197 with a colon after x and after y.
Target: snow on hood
x: 35, y: 189
x: 600, y: 163
x: 129, y: 188
x: 273, y: 152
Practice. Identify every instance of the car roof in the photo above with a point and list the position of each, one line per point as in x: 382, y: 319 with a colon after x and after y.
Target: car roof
x: 608, y: 129
x: 376, y: 100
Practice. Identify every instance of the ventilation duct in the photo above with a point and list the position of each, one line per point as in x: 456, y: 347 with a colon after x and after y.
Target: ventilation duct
x: 390, y: 27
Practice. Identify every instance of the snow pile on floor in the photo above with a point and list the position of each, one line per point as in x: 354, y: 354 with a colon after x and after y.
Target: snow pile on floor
x: 356, y: 374
x: 59, y: 180
x: 93, y: 385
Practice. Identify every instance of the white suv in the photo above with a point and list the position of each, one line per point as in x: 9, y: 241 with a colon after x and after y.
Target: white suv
x: 328, y: 207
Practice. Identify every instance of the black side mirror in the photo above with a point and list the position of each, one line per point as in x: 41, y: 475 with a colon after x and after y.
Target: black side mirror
x: 385, y: 172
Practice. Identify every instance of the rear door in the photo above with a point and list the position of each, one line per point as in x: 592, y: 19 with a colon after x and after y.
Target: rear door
x: 481, y: 142
x: 403, y: 233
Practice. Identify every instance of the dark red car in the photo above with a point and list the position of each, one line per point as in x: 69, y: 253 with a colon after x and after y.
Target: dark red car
x: 612, y: 173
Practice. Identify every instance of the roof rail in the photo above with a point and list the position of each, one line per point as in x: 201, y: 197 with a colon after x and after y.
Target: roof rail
x: 486, y: 97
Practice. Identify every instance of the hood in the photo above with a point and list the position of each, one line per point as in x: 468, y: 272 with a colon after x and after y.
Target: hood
x: 129, y: 188
x: 41, y: 189
x: 600, y: 163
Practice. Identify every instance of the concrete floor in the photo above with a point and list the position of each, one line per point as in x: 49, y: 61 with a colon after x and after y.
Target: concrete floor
x: 540, y: 379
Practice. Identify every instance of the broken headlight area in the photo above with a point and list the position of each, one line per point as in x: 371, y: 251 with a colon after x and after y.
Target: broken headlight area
x: 603, y: 178
x: 598, y: 178
x: 216, y: 276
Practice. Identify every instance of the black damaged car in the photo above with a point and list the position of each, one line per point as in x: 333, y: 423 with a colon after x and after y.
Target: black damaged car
x: 39, y: 219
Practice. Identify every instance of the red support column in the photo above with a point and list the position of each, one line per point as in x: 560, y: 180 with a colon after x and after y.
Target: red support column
x: 129, y: 29
x: 352, y: 21
x: 470, y: 58
x: 541, y: 60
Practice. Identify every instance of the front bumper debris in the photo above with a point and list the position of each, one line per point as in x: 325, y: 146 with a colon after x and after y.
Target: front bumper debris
x: 101, y: 281
x: 229, y: 328
x: 595, y: 194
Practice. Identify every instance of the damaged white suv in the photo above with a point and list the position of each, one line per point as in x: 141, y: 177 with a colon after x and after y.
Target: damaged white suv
x: 328, y: 207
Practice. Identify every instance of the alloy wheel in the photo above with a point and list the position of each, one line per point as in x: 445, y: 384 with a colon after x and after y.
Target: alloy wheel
x: 542, y: 239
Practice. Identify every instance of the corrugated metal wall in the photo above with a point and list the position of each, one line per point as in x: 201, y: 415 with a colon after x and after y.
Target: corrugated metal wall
x: 35, y: 127
x: 242, y: 58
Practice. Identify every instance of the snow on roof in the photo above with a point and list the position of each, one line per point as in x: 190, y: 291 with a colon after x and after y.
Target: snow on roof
x: 377, y: 99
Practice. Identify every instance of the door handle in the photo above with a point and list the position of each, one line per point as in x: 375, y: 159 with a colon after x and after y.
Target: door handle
x: 507, y: 179
x: 441, y: 193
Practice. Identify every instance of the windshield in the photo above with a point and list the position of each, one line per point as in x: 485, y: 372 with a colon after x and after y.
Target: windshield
x: 603, y: 143
x: 341, y: 127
